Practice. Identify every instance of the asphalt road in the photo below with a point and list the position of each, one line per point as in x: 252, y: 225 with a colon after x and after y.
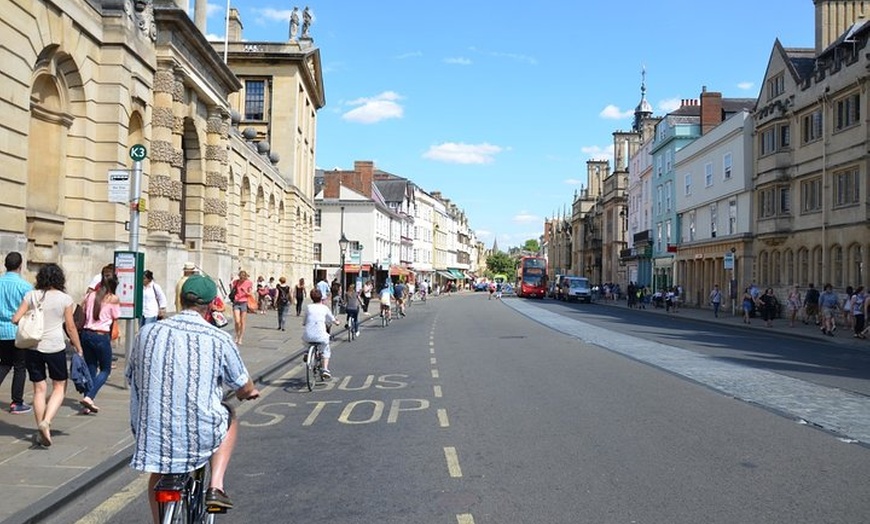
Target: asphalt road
x: 468, y: 412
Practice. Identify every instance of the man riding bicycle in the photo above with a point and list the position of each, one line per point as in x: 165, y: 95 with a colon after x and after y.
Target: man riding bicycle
x: 386, y: 296
x: 399, y: 295
x: 316, y: 318
x: 177, y: 370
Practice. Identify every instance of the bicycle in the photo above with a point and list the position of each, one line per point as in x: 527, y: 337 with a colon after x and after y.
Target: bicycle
x: 313, y: 365
x: 385, y: 318
x: 181, y: 497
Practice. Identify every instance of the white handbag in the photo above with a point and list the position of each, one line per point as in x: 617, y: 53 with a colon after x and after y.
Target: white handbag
x: 31, y: 326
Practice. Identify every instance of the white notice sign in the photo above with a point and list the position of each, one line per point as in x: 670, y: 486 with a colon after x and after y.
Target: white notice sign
x: 119, y: 186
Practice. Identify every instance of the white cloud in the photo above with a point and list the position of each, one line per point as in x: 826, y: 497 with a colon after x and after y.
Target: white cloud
x: 267, y: 14
x: 482, y: 233
x: 411, y: 54
x: 745, y: 86
x: 612, y: 112
x: 574, y: 182
x: 212, y: 9
x: 598, y: 152
x: 459, y: 60
x: 512, y: 56
x: 458, y: 153
x: 211, y: 37
x: 374, y: 109
x: 671, y: 104
x: 524, y: 217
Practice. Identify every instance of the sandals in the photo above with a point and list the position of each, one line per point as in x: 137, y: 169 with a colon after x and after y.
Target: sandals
x: 43, y: 438
x: 89, y: 404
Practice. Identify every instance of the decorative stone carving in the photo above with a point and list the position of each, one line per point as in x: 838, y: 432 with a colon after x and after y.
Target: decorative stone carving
x: 216, y: 179
x: 178, y: 91
x: 176, y: 188
x: 142, y: 15
x: 164, y: 221
x: 159, y: 186
x: 214, y: 233
x: 216, y: 152
x: 161, y: 151
x: 162, y: 117
x: 164, y: 81
x: 214, y: 124
x: 249, y: 133
x: 215, y: 206
x: 179, y: 125
x: 263, y: 147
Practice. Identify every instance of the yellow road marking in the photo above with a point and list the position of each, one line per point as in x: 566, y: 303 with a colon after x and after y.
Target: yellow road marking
x: 452, y: 462
x: 442, y: 418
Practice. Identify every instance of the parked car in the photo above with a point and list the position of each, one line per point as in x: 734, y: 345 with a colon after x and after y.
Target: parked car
x: 576, y: 289
x: 481, y: 286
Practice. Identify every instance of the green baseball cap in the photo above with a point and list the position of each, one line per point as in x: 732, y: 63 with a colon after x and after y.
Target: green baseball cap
x: 200, y: 288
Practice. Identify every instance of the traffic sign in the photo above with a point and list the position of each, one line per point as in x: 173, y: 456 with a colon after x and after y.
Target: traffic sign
x: 138, y: 152
x: 728, y: 261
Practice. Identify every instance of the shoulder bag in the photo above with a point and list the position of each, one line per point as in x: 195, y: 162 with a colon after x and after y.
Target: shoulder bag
x: 31, y: 326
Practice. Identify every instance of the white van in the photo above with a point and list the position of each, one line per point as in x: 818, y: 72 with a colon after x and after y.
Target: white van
x: 577, y: 288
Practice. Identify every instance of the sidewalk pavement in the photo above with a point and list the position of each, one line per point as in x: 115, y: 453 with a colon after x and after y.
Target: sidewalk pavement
x: 87, y: 448
x: 842, y: 336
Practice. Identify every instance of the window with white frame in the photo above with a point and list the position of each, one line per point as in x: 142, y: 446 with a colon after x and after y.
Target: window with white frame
x: 727, y: 162
x: 688, y: 184
x: 659, y: 199
x: 318, y: 249
x: 659, y: 237
x: 668, y: 231
x: 708, y: 174
x: 255, y: 99
x: 776, y: 86
x: 659, y: 166
x: 318, y: 216
x: 669, y: 156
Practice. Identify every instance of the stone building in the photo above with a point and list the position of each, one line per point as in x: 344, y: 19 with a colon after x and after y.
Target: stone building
x: 85, y: 81
x: 811, y: 156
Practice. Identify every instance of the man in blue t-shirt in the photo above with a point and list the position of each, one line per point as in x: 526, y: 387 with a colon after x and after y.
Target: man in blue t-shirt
x: 399, y: 295
x: 12, y: 291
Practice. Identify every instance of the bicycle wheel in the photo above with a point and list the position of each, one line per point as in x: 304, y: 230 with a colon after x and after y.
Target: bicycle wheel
x: 174, y: 512
x: 310, y: 364
x: 198, y: 488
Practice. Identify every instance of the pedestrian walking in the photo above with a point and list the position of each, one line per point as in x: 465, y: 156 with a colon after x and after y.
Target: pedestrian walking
x: 747, y: 303
x: 282, y: 302
x: 48, y: 358
x: 829, y: 304
x: 366, y: 295
x: 102, y: 308
x: 13, y: 288
x: 716, y: 300
x: 858, y: 318
x: 769, y: 305
x: 299, y: 289
x: 811, y: 305
x: 793, y: 304
x: 241, y: 290
x: 187, y: 271
x: 153, y: 300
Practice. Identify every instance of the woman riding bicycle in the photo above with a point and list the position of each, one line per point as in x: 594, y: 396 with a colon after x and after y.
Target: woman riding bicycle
x: 314, y: 320
x: 351, y: 307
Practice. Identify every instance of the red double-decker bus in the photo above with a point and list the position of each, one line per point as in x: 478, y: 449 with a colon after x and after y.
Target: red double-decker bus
x: 532, y: 277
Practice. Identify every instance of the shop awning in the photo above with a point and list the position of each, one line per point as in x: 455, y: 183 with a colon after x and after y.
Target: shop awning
x: 446, y: 275
x: 457, y: 274
x: 399, y: 271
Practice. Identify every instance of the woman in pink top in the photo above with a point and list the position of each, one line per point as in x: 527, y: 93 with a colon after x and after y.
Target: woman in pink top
x: 241, y: 290
x: 102, y: 308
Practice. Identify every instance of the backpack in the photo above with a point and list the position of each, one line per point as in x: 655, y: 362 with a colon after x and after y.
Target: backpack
x: 232, y: 294
x: 31, y: 326
x: 283, y: 296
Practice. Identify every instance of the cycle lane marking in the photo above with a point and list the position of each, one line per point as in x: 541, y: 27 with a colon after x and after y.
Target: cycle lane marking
x: 452, y: 459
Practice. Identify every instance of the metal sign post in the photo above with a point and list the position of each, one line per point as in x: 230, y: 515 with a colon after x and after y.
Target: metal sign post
x: 138, y: 153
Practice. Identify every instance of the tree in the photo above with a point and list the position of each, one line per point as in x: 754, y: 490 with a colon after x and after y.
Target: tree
x: 532, y: 245
x: 501, y: 263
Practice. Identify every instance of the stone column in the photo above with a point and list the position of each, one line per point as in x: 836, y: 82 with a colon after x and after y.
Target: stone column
x: 163, y: 186
x: 216, y: 179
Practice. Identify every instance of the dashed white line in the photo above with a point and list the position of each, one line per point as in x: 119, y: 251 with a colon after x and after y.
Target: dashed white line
x: 464, y: 518
x: 452, y: 462
x: 442, y: 418
x: 437, y: 391
x: 435, y: 373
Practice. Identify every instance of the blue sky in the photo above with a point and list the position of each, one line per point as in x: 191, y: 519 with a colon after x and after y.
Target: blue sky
x: 499, y: 105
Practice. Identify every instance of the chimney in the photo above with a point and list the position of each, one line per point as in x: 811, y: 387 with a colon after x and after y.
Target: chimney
x: 711, y: 110
x: 331, y: 184
x: 365, y: 169
x: 235, y: 26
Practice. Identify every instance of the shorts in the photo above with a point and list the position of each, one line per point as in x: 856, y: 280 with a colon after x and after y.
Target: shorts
x: 385, y: 307
x: 828, y: 312
x: 811, y: 309
x: 37, y: 363
x: 240, y: 306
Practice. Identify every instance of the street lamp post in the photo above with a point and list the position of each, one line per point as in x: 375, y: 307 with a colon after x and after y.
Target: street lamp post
x: 342, y: 246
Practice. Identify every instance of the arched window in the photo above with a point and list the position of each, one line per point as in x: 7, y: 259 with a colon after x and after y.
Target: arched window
x: 803, y: 261
x: 817, y: 269
x: 790, y: 277
x: 837, y: 266
x: 776, y: 275
x: 764, y: 268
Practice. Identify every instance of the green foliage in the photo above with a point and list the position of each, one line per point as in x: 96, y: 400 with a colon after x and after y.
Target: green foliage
x: 532, y: 245
x: 501, y: 263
